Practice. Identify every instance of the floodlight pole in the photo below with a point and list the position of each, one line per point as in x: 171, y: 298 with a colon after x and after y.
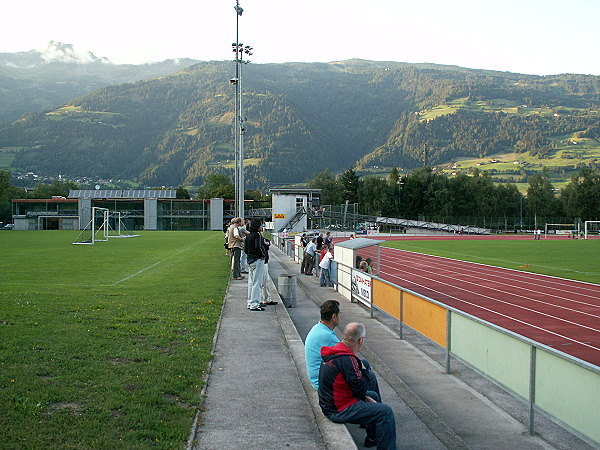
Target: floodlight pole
x: 239, y: 127
x: 236, y: 80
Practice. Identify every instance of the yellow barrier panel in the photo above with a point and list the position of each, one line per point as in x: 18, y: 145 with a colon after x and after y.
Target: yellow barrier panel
x: 387, y: 298
x: 425, y: 317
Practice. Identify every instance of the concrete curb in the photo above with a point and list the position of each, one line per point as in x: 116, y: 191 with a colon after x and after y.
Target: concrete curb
x: 335, y: 436
x: 206, y: 376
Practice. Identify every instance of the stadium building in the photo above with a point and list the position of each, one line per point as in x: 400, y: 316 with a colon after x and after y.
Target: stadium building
x: 136, y: 210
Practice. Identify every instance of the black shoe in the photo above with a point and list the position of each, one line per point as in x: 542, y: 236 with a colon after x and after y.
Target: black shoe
x: 269, y: 303
x: 370, y: 442
x: 257, y: 309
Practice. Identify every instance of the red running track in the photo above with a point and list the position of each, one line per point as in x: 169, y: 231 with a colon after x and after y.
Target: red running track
x: 560, y: 313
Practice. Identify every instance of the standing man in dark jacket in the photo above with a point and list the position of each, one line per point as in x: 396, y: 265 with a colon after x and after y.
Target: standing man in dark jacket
x: 256, y: 252
x: 343, y: 390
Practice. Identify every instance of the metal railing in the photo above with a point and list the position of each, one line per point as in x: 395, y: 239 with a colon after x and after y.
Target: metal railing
x: 530, y: 393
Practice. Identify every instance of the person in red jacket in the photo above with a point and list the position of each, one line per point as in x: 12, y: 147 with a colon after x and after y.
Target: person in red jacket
x: 343, y: 390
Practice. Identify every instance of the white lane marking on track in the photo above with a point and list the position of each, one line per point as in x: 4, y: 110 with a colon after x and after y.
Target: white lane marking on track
x: 509, y: 283
x: 477, y: 294
x: 517, y: 274
x: 511, y: 318
x: 501, y: 260
x: 584, y: 285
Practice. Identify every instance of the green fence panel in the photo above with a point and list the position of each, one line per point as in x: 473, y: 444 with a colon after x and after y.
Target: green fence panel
x: 569, y: 392
x: 499, y: 356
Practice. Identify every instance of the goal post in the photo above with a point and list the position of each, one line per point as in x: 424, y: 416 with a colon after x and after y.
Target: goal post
x: 97, y: 228
x: 119, y: 230
x: 591, y: 229
x: 565, y: 229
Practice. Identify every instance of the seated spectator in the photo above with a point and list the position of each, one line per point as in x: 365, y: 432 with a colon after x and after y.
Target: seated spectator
x: 364, y: 266
x: 344, y: 394
x: 321, y: 335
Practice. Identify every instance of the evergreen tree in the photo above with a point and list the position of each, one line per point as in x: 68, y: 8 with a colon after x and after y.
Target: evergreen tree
x: 350, y: 184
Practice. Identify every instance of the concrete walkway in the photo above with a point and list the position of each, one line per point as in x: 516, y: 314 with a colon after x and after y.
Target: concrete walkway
x: 258, y: 395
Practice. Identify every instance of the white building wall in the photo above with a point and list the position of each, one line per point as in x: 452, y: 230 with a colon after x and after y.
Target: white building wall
x: 216, y: 214
x: 284, y: 208
x: 150, y: 214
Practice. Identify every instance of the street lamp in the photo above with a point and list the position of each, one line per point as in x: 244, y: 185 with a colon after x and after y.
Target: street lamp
x: 240, y: 51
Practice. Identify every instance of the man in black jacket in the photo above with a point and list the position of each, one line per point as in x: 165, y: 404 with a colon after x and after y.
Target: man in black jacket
x: 343, y: 390
x: 255, y: 249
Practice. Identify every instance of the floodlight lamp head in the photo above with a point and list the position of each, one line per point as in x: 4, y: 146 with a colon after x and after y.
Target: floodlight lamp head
x: 233, y: 81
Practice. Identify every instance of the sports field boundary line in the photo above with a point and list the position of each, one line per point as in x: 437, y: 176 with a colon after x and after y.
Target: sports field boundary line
x: 154, y: 264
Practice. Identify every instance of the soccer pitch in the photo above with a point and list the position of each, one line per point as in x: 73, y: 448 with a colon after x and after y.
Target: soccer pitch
x: 105, y: 346
x: 573, y: 259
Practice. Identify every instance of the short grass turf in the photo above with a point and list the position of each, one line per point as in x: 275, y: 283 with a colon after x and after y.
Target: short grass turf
x: 105, y: 346
x: 573, y: 259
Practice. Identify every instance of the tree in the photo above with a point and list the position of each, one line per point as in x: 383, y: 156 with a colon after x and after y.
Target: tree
x: 217, y: 185
x: 373, y: 196
x: 540, y: 197
x: 581, y: 197
x: 350, y: 183
x: 56, y: 187
x: 182, y: 193
x: 331, y: 189
x: 508, y: 203
x: 8, y: 192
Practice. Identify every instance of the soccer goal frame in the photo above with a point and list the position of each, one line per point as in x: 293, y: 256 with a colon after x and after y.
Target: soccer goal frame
x: 119, y: 230
x: 98, y: 230
x: 586, y: 227
x: 569, y: 227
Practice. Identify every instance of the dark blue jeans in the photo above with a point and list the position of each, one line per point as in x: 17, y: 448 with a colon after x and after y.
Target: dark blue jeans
x: 378, y: 418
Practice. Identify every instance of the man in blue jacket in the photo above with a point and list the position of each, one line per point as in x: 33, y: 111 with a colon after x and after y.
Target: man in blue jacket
x: 343, y: 390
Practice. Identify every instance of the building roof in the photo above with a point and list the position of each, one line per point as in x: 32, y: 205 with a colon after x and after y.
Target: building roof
x: 295, y: 191
x: 119, y: 193
x: 358, y: 243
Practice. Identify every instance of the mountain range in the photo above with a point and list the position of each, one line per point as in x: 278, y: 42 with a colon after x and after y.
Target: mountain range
x: 175, y: 129
x: 40, y: 79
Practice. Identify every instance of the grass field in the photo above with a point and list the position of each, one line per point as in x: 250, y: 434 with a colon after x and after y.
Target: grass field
x: 105, y: 346
x: 574, y: 259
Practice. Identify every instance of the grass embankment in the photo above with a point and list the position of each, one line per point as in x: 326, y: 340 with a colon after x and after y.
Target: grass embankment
x: 105, y: 346
x: 574, y: 259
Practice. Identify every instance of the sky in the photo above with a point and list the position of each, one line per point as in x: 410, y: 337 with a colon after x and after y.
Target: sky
x: 541, y: 37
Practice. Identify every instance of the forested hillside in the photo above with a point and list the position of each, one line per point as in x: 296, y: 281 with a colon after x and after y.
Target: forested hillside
x: 37, y: 80
x: 303, y: 118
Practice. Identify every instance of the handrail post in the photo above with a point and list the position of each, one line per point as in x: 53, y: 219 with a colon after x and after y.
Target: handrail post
x: 401, y: 312
x: 532, y: 370
x: 448, y: 338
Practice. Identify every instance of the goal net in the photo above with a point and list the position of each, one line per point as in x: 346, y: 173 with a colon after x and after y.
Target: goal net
x: 97, y: 228
x: 565, y: 229
x: 592, y: 229
x: 118, y: 229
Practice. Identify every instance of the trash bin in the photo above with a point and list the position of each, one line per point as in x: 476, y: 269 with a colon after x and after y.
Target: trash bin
x: 286, y: 286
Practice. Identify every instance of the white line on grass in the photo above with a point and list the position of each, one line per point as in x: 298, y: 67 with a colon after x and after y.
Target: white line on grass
x: 128, y: 277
